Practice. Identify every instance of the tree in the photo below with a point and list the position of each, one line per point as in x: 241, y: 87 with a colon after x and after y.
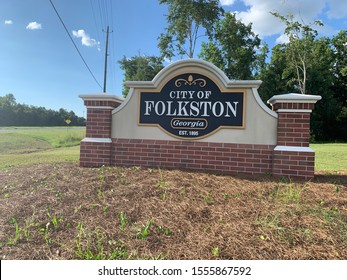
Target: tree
x: 232, y: 48
x: 15, y: 114
x: 185, y: 19
x: 7, y: 100
x: 140, y: 68
x: 299, y: 48
x: 272, y: 74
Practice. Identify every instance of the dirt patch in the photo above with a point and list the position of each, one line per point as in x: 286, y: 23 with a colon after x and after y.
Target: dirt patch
x: 62, y: 211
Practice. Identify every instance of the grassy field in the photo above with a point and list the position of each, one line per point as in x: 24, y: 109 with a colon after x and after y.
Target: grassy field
x: 25, y: 146
x: 330, y: 157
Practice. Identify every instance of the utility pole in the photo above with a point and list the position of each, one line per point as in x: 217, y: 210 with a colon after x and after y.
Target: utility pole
x: 106, y: 54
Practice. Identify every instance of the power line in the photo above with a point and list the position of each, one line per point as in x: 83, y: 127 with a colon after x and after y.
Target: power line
x: 73, y: 42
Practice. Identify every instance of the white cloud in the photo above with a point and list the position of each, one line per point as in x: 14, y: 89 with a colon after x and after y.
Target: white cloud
x: 265, y: 24
x: 34, y: 25
x: 85, y: 39
x: 8, y: 22
x: 227, y: 2
x: 283, y: 39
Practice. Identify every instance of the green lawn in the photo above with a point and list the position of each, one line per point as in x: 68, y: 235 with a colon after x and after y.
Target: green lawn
x: 23, y: 146
x: 330, y: 157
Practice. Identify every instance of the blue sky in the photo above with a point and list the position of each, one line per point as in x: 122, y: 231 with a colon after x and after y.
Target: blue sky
x: 40, y: 66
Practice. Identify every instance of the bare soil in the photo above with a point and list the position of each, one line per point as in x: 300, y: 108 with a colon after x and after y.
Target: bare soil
x: 62, y: 211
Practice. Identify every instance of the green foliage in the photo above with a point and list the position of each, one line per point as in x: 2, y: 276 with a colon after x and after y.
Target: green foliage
x: 299, y: 49
x: 144, y: 231
x: 95, y: 245
x: 185, y: 18
x: 15, y: 114
x: 216, y: 251
x: 233, y: 48
x: 313, y: 66
x: 139, y: 68
x: 123, y: 220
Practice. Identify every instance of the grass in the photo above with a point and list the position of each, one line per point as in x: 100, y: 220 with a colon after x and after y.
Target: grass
x: 26, y: 146
x: 330, y: 157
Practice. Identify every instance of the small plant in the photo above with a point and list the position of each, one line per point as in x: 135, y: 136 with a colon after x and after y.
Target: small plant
x: 163, y: 195
x: 161, y: 229
x: 12, y: 220
x: 122, y: 179
x: 12, y: 241
x: 44, y: 231
x: 54, y: 220
x: 288, y: 194
x: 58, y: 195
x: 262, y: 237
x: 226, y: 196
x: 238, y: 195
x: 100, y: 192
x: 136, y: 168
x: 94, y: 245
x: 215, y: 251
x: 208, y: 198
x: 123, y: 220
x: 143, y: 232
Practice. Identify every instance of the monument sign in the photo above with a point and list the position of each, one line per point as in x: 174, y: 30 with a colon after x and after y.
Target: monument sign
x: 192, y: 116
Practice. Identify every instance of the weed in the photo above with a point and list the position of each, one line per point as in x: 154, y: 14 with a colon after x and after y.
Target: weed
x: 122, y: 179
x: 54, y: 220
x: 161, y: 229
x: 208, y: 198
x: 263, y: 237
x: 136, y: 168
x: 12, y: 220
x: 226, y: 196
x: 94, y: 245
x: 269, y: 221
x: 44, y: 231
x: 306, y: 234
x: 100, y: 192
x: 12, y: 241
x: 123, y: 220
x: 238, y: 195
x: 58, y: 195
x: 290, y: 193
x: 216, y: 251
x: 163, y: 195
x: 337, y: 189
x: 143, y: 232
x: 163, y: 185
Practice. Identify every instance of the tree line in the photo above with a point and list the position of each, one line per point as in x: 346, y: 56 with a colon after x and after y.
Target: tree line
x: 308, y: 63
x: 16, y: 114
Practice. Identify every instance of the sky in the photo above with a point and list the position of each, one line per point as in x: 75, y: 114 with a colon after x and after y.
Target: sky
x: 40, y: 65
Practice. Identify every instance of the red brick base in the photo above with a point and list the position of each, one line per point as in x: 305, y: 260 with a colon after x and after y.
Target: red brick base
x: 95, y: 154
x: 205, y: 156
x: 223, y: 157
x: 297, y: 164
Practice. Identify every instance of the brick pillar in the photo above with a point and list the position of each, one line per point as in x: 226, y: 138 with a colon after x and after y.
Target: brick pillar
x: 292, y: 157
x: 96, y: 148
